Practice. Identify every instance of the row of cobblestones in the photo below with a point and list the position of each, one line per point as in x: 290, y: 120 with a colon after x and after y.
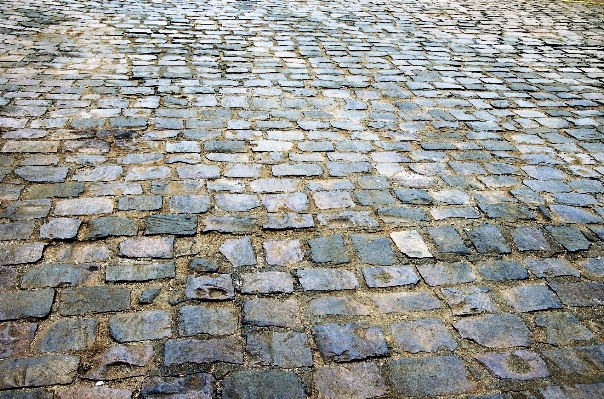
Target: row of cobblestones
x: 279, y: 199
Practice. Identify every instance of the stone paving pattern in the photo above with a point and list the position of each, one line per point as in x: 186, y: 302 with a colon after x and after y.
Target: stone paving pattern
x: 281, y: 199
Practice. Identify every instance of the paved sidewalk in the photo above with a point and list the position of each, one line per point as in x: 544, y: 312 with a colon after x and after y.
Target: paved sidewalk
x: 317, y: 199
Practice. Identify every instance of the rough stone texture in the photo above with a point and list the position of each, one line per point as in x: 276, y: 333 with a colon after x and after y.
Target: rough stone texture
x: 287, y: 350
x: 121, y: 361
x: 95, y: 392
x: 68, y: 335
x: 15, y: 338
x: 411, y: 244
x: 208, y: 319
x: 429, y: 376
x: 390, y: 276
x: 198, y: 385
x: 210, y: 288
x: 328, y: 249
x: 283, y: 253
x: 346, y: 342
x: 99, y: 299
x: 563, y: 328
x: 23, y: 304
x: 529, y: 298
x: 422, y: 336
x: 269, y: 384
x: 266, y: 283
x: 140, y: 326
x: 131, y: 270
x: 350, y: 381
x: 272, y: 312
x: 228, y: 350
x: 495, y: 331
x: 147, y: 247
x: 239, y: 252
x: 519, y: 365
x: 37, y: 371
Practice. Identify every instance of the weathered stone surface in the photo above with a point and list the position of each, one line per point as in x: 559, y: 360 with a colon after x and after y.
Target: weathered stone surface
x: 67, y: 335
x: 327, y: 279
x: 346, y: 342
x: 228, y: 350
x: 446, y: 273
x: 83, y: 206
x: 14, y: 254
x: 411, y: 244
x: 468, y: 300
x: 209, y: 288
x: 98, y: 299
x: 528, y: 298
x: 38, y: 371
x: 502, y: 270
x: 198, y: 385
x: 266, y: 384
x: 328, y: 249
x: 403, y: 302
x: 390, y: 276
x: 282, y: 253
x: 586, y: 293
x: 350, y: 381
x: 17, y: 230
x: 447, y: 239
x: 109, y: 364
x: 171, y: 224
x: 208, y: 319
x: 58, y: 275
x: 111, y: 226
x: 42, y: 174
x: 287, y: 350
x: 373, y: 250
x: 22, y: 304
x: 428, y: 335
x: 239, y: 252
x: 563, y: 328
x: 266, y: 283
x: 495, y: 331
x: 131, y: 270
x: 519, y: 365
x: 60, y: 228
x: 147, y: 247
x: 15, y: 338
x: 338, y: 305
x: 140, y: 326
x: 272, y: 312
x: 94, y: 393
x: 429, y: 376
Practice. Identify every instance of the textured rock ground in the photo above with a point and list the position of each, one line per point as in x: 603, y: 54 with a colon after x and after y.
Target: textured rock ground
x: 281, y: 199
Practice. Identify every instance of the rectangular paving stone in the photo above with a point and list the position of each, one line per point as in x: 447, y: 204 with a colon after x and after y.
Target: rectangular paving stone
x: 487, y: 238
x: 181, y: 351
x: 231, y: 224
x: 448, y: 240
x: 494, y: 331
x: 67, y: 335
x: 571, y: 238
x: 171, y: 224
x: 429, y: 376
x: 38, y: 371
x: 281, y: 349
x: 111, y: 226
x: 140, y: 326
x: 271, y: 312
x: 404, y: 302
x: 530, y: 239
x: 208, y: 319
x: 584, y: 293
x: 390, y: 276
x: 147, y: 247
x: 58, y: 275
x: 83, y: 206
x: 373, y: 250
x: 328, y: 249
x: 500, y: 364
x: 23, y: 304
x: 528, y: 298
x: 502, y: 270
x: 99, y: 299
x: 129, y: 270
x: 446, y: 273
x: 16, y: 338
x: 428, y: 335
x: 327, y: 279
x: 469, y: 300
x: 283, y: 221
x: 347, y: 342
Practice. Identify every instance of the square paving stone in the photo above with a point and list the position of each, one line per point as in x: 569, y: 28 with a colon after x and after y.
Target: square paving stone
x: 585, y: 293
x: 530, y: 239
x: 502, y: 270
x: 346, y: 342
x: 328, y: 249
x: 528, y: 298
x: 239, y: 252
x: 208, y: 319
x: 373, y: 250
x: 15, y: 338
x: 469, y: 300
x: 448, y: 240
x: 569, y: 237
x: 428, y: 335
x: 487, y: 238
x: 562, y: 328
x: 429, y: 376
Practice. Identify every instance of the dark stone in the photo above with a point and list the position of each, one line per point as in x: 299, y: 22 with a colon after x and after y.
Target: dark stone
x: 111, y: 226
x: 198, y: 386
x: 228, y: 350
x: 487, y: 238
x: 346, y: 342
x: 494, y: 331
x: 502, y: 270
x: 448, y: 240
x: 67, y: 335
x: 203, y: 265
x: 263, y: 384
x: 328, y: 249
x: 171, y: 224
x: 98, y: 299
x: 22, y: 304
x: 373, y: 250
x: 38, y: 371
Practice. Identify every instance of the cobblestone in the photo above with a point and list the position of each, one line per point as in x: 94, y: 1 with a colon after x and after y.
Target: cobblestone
x: 279, y: 199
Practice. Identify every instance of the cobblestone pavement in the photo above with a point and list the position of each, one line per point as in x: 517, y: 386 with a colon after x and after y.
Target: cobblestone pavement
x: 283, y: 200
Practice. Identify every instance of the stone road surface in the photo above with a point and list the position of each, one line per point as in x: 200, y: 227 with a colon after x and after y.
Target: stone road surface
x: 282, y: 199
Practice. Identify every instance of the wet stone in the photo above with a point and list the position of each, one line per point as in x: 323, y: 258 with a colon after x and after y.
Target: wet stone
x: 350, y: 381
x: 208, y: 319
x: 429, y: 376
x: 58, y: 275
x: 239, y: 252
x: 495, y: 331
x: 128, y: 327
x: 227, y: 350
x: 346, y: 342
x: 171, y: 224
x: 15, y: 338
x: 23, y: 304
x: 287, y: 350
x: 266, y: 384
x: 327, y: 279
x: 428, y: 335
x: 328, y: 249
x: 502, y: 270
x: 529, y: 298
x: 266, y: 283
x: 209, y: 288
x: 111, y: 226
x: 100, y: 299
x: 272, y: 312
x: 390, y: 276
x: 563, y: 328
x: 446, y: 273
x: 469, y: 300
x: 128, y: 270
x: 373, y: 250
x: 38, y: 371
x: 518, y: 365
x: 67, y: 335
x: 198, y: 385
